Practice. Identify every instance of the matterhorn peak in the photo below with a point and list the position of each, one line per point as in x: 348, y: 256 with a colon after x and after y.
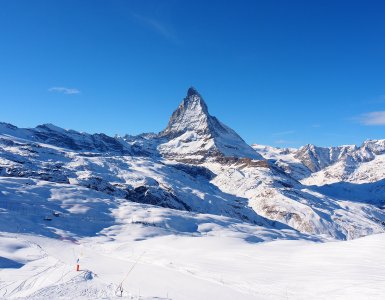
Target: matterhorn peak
x: 192, y: 114
x: 192, y: 91
x: 195, y: 101
x: 192, y: 129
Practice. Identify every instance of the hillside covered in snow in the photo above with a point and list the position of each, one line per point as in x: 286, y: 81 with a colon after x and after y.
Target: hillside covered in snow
x: 186, y: 213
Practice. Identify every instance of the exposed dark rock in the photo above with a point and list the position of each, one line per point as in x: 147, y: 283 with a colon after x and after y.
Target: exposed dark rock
x: 194, y: 171
x: 156, y: 196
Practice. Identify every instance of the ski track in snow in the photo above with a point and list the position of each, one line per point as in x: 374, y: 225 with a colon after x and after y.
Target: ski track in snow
x: 175, y: 267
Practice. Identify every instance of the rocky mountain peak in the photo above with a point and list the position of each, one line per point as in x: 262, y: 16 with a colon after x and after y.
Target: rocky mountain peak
x: 191, y: 114
x: 193, y: 130
x: 192, y: 91
x: 195, y: 102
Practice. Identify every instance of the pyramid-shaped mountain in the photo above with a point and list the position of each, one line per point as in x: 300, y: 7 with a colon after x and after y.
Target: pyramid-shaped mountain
x: 192, y: 133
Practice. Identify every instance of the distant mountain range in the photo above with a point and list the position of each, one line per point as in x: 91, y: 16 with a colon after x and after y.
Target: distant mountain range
x: 200, y: 165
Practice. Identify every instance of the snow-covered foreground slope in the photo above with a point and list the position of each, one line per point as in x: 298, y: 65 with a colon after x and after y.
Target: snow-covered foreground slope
x: 164, y: 253
x: 47, y: 226
x: 186, y: 267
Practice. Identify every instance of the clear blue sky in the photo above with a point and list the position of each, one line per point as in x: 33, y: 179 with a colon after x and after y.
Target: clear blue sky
x: 283, y: 73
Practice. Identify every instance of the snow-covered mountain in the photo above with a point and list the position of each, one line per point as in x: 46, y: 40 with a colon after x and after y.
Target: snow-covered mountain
x: 201, y: 208
x: 320, y: 165
x: 200, y: 165
x: 193, y: 134
x: 69, y: 139
x: 347, y: 172
x: 318, y: 158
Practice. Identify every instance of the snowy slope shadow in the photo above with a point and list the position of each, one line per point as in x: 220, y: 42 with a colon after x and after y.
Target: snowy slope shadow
x: 6, y: 263
x: 370, y: 193
x: 53, y: 210
x: 192, y: 185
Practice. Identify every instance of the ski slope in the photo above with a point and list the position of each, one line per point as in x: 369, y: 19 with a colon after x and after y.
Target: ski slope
x: 162, y: 253
x: 186, y: 267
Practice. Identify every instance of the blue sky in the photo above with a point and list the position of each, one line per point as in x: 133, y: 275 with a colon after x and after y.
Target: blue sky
x: 282, y: 73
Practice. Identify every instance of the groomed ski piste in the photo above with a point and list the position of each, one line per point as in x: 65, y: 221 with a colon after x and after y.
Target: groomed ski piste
x: 138, y: 251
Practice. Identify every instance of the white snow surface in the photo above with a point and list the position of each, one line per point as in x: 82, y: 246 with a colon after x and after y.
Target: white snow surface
x: 177, y: 267
x: 161, y: 253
